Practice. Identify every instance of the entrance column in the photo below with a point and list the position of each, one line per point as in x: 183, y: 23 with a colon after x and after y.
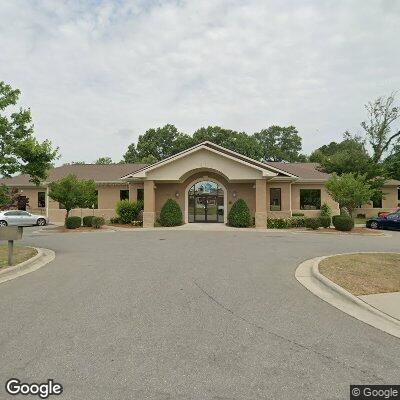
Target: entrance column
x: 261, y: 203
x: 149, y: 211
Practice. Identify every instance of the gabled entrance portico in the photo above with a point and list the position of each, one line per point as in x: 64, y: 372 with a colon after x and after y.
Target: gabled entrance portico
x: 205, y: 181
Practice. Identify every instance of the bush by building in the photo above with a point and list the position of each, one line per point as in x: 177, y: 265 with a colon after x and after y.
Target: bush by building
x: 128, y: 211
x: 239, y: 215
x: 87, y: 221
x: 73, y: 222
x: 171, y: 214
x: 343, y: 222
x: 313, y: 223
x: 97, y: 222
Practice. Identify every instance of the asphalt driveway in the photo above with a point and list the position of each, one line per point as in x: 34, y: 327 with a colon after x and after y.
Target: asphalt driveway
x: 188, y: 315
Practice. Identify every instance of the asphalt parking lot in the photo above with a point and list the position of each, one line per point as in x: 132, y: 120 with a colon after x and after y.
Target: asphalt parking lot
x: 188, y: 315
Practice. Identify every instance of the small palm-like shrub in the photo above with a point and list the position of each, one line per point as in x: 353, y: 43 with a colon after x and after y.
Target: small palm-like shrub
x: 312, y: 223
x: 97, y: 222
x: 325, y: 221
x: 87, y: 221
x: 73, y: 222
x: 128, y: 211
x: 343, y: 222
x: 171, y: 214
x: 239, y: 214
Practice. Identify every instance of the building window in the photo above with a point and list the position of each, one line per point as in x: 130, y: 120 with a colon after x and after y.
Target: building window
x: 41, y: 199
x: 275, y: 199
x: 377, y: 202
x: 310, y: 199
x: 140, y: 194
x: 124, y: 194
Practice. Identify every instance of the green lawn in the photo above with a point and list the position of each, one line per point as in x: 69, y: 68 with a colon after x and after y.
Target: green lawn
x: 20, y: 254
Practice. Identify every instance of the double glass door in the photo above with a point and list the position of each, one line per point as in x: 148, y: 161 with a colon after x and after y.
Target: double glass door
x: 206, y: 202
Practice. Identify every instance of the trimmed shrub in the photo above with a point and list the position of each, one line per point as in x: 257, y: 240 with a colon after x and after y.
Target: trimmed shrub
x: 297, y: 222
x: 73, y: 222
x: 343, y: 222
x: 128, y: 211
x: 325, y: 221
x: 297, y: 214
x: 171, y: 214
x: 312, y: 223
x: 326, y: 211
x: 98, y: 222
x: 115, y: 220
x: 278, y: 223
x: 87, y: 221
x: 239, y: 214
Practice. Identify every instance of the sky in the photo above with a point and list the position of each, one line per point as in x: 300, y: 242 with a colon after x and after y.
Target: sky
x: 97, y: 74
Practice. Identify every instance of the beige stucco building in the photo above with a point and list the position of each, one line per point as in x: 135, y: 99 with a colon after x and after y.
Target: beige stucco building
x: 205, y: 180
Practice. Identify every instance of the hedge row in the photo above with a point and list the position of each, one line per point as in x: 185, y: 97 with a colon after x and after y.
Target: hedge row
x: 90, y: 220
x: 298, y: 222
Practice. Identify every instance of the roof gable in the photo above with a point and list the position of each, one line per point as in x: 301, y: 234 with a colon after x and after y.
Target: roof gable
x: 264, y: 169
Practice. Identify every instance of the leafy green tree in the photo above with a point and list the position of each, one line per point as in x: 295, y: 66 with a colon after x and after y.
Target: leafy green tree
x: 5, y: 195
x: 72, y: 192
x: 19, y: 150
x: 104, y: 160
x: 382, y: 114
x: 350, y: 190
x: 347, y: 156
x: 159, y: 143
x: 391, y: 164
x: 280, y: 143
x: 232, y: 140
x: 131, y: 155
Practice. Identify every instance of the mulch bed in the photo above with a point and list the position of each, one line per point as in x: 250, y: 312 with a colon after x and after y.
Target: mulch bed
x: 356, y: 230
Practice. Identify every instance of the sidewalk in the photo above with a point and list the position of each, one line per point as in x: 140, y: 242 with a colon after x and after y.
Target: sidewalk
x: 389, y: 303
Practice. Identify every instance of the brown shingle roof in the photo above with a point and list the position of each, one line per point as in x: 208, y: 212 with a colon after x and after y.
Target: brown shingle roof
x: 302, y: 170
x: 97, y: 172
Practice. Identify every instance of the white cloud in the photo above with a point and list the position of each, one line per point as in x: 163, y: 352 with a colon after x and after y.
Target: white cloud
x: 99, y: 73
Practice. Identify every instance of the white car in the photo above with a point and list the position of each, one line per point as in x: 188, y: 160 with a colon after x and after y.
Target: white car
x: 21, y: 218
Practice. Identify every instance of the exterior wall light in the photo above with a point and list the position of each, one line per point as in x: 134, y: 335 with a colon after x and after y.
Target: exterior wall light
x: 176, y: 194
x: 234, y: 194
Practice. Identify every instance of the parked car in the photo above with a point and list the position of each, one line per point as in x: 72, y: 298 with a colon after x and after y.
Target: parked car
x: 390, y: 221
x: 21, y: 218
x: 386, y: 213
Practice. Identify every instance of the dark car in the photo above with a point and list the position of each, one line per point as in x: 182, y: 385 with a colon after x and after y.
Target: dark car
x: 390, y: 221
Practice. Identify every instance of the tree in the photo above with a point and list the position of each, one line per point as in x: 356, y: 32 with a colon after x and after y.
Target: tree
x: 232, y: 140
x: 72, y: 192
x: 131, y: 155
x: 391, y: 164
x: 350, y: 190
x: 19, y: 150
x: 382, y: 113
x: 5, y: 196
x: 280, y: 143
x: 104, y: 160
x: 347, y: 156
x: 160, y: 143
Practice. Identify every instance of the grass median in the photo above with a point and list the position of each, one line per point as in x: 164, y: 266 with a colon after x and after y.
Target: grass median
x: 21, y: 254
x: 362, y: 274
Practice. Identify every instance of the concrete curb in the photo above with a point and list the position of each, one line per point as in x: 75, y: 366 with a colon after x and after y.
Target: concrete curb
x: 307, y: 273
x: 43, y: 257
